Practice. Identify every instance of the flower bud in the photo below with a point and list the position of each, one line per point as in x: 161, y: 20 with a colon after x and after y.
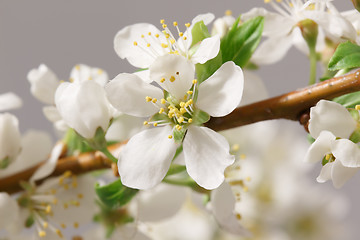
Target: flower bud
x: 356, y: 4
x: 84, y: 107
x: 309, y: 31
x: 10, y: 139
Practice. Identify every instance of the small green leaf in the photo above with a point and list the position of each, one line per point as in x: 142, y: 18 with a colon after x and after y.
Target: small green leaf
x: 324, y: 161
x: 200, y: 117
x: 4, y: 163
x: 115, y: 194
x: 29, y: 221
x: 355, y: 136
x: 199, y: 32
x: 240, y: 42
x: 349, y: 100
x: 347, y: 55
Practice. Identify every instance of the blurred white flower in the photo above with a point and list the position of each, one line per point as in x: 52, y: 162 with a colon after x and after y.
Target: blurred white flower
x: 10, y: 146
x: 9, y: 101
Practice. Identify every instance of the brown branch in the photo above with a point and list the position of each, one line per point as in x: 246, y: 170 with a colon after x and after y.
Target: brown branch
x: 293, y: 106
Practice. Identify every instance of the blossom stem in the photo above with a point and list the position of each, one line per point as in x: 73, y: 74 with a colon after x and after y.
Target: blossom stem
x: 109, y: 155
x: 313, y: 65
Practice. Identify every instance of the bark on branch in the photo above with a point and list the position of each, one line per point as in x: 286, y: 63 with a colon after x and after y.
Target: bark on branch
x: 293, y: 106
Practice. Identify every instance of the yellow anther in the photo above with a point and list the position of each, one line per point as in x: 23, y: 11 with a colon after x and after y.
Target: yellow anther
x: 66, y: 186
x: 167, y: 35
x: 157, y: 35
x: 178, y: 127
x: 175, y: 24
x: 170, y: 136
x: 327, y: 157
x: 53, y: 191
x: 77, y: 67
x: 235, y: 147
x: 55, y: 201
x: 76, y: 203
x: 279, y: 0
x: 148, y: 99
x: 63, y: 225
x: 246, y: 189
x: 182, y: 110
x: 80, y: 196
x: 248, y: 179
x: 61, y: 81
x: 181, y: 34
x: 162, y: 21
x: 149, y: 33
x: 163, y: 101
x: 76, y: 224
x: 181, y: 119
x: 71, y: 80
x: 135, y: 43
x: 182, y: 104
x: 90, y: 78
x: 267, y: 1
x: 100, y: 71
x: 161, y: 110
x: 162, y: 80
x: 164, y: 26
x: 194, y: 81
x: 146, y: 123
x: 155, y: 124
x: 42, y: 234
x: 187, y: 25
x: 189, y: 92
x: 185, y: 38
x: 172, y: 41
x: 148, y: 45
x: 242, y: 156
x: 48, y: 209
x: 142, y: 36
x: 172, y: 79
x: 190, y: 120
x: 154, y: 100
x: 59, y: 233
x: 228, y: 12
x: 164, y: 45
x: 67, y: 174
x: 357, y: 107
x: 66, y: 205
x: 176, y: 52
x: 238, y: 216
x: 45, y: 225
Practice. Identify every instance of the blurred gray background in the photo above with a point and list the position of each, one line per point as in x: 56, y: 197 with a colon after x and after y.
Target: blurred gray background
x: 64, y: 33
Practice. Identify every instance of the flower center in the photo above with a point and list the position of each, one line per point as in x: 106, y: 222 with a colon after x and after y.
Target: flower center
x: 178, y: 113
x: 157, y: 44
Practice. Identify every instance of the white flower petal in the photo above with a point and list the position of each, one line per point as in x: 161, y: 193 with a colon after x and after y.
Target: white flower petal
x: 9, y: 137
x: 206, y: 156
x: 347, y: 152
x: 320, y: 147
x: 223, y: 205
x: 140, y: 55
x: 48, y: 167
x: 325, y: 173
x: 272, y: 50
x: 208, y: 49
x: 341, y: 174
x: 43, y: 83
x: 84, y: 107
x: 9, y: 210
x: 205, y: 17
x: 146, y: 158
x: 82, y: 72
x: 127, y: 93
x: 173, y: 66
x: 9, y: 101
x: 221, y: 93
x: 123, y: 128
x: 330, y: 116
x: 144, y: 75
x: 51, y: 113
x: 161, y: 202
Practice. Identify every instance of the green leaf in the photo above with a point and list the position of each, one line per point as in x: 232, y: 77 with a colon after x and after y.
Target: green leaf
x: 349, y: 100
x: 347, y: 55
x: 115, y: 194
x: 199, y: 32
x: 355, y: 136
x: 240, y: 42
